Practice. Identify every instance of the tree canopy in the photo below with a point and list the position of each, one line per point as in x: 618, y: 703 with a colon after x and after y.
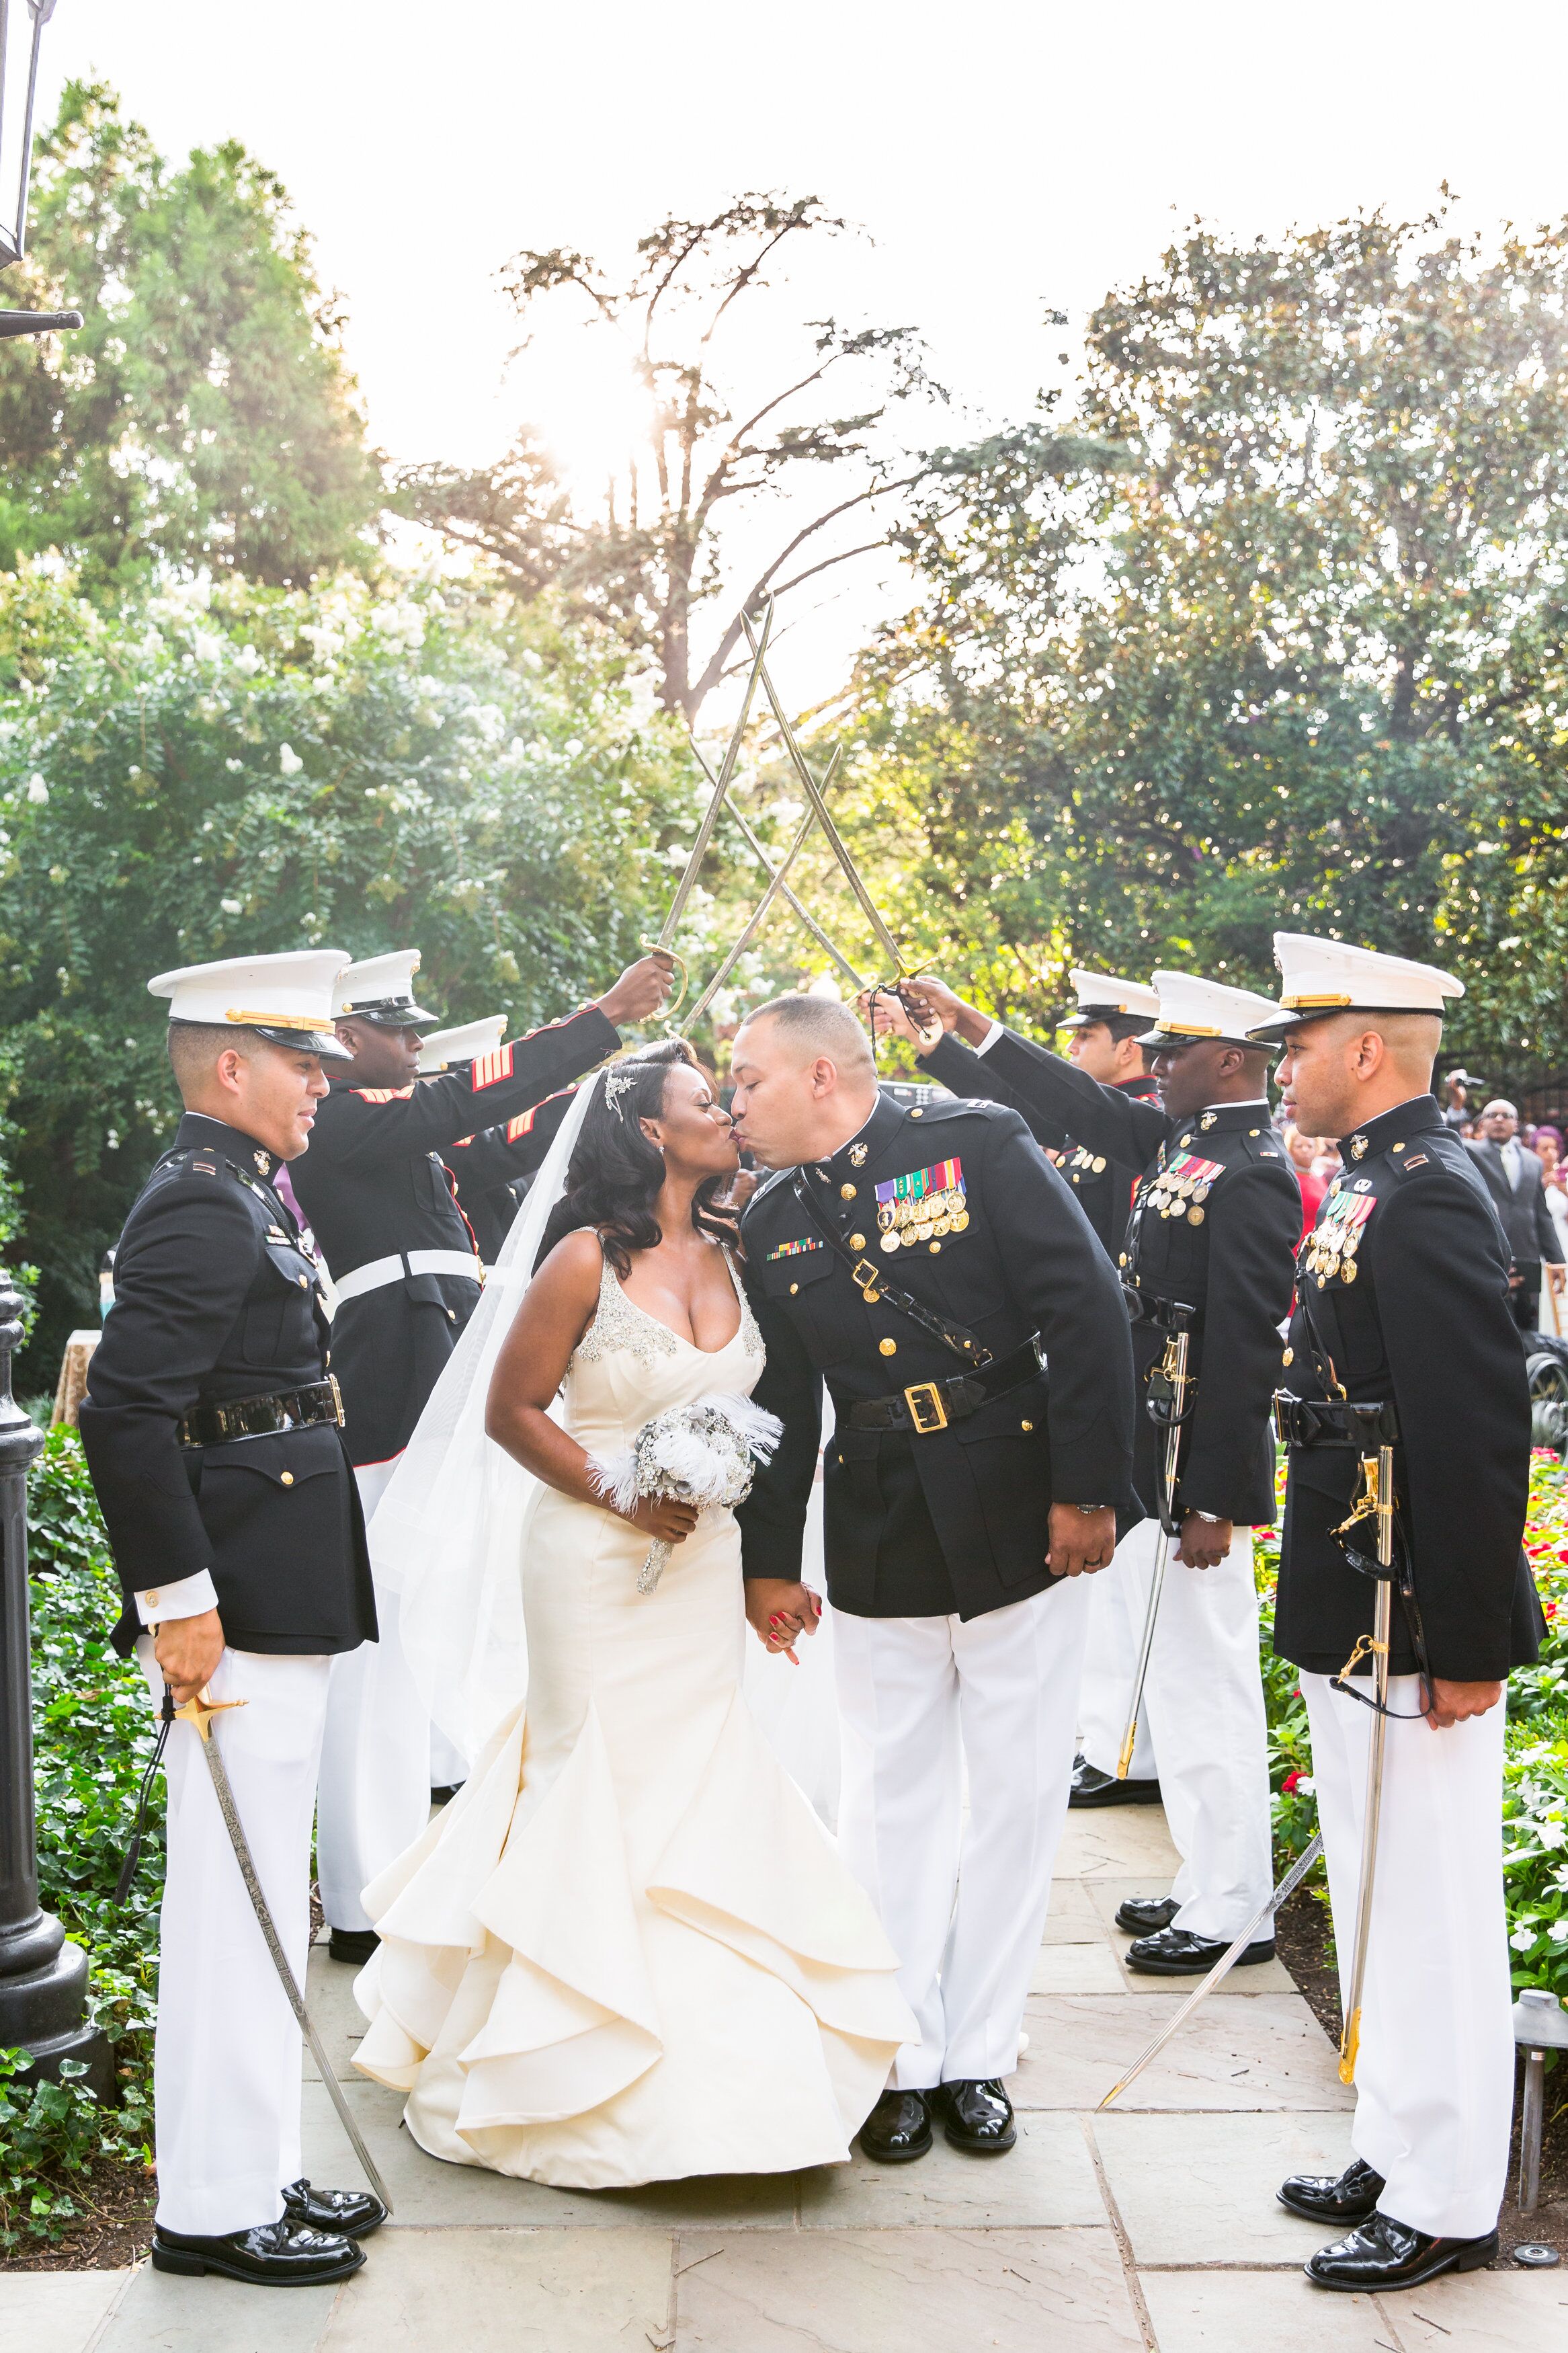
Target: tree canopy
x: 1269, y: 631
x: 648, y: 558
x: 204, y: 415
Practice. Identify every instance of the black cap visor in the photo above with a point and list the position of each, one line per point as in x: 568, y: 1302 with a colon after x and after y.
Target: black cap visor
x: 391, y: 1013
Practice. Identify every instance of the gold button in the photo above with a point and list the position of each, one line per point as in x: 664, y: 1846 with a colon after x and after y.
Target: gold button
x: 857, y: 1241
x: 288, y: 1478
x: 451, y: 1314
x: 1254, y: 1131
x: 1025, y: 1425
x: 1186, y: 1139
x: 1289, y: 1357
x: 847, y: 1192
x: 935, y: 1248
x: 1122, y: 1259
x: 304, y: 1282
x: 1399, y: 1147
x: 917, y: 1113
x: 792, y: 1289
x: 151, y: 1599
x: 889, y: 1347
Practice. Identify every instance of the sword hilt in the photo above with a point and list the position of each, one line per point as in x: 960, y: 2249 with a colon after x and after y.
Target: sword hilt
x: 199, y: 1711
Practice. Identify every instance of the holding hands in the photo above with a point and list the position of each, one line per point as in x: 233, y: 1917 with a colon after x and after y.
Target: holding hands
x: 780, y: 1609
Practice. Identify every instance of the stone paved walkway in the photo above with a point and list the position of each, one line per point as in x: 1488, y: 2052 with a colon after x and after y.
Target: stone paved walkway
x: 1155, y: 2228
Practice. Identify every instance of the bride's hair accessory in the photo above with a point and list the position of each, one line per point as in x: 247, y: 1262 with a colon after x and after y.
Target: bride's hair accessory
x: 618, y: 1080
x: 701, y: 1453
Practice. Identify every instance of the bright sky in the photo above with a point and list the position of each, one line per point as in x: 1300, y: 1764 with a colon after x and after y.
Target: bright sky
x: 1004, y: 156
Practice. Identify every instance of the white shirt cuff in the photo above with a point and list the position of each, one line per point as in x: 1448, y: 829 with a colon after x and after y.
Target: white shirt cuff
x: 187, y: 1598
x: 990, y: 1038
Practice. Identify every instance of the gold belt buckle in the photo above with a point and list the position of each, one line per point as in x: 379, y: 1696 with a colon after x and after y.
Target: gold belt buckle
x: 928, y: 1408
x: 337, y: 1396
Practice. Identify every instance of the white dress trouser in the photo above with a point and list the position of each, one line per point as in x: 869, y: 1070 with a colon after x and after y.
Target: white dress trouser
x: 1435, y: 2074
x: 1109, y: 1670
x: 375, y: 1759
x: 963, y: 1904
x: 226, y: 2066
x: 1204, y: 1698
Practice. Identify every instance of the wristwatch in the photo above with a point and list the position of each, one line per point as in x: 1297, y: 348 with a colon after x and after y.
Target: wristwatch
x: 1091, y: 1507
x: 1212, y: 1518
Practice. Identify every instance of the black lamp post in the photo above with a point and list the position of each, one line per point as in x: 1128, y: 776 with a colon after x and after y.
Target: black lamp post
x: 22, y: 25
x: 43, y: 1980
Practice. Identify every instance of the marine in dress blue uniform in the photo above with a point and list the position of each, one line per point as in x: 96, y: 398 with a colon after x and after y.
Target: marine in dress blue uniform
x: 212, y: 1432
x: 1208, y: 1250
x: 1402, y: 1334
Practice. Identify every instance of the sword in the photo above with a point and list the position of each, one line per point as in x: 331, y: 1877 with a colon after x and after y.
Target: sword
x: 804, y: 913
x: 1174, y: 1368
x: 814, y: 794
x: 1223, y: 1967
x: 1377, y: 1470
x: 758, y: 913
x: 720, y: 785
x: 199, y: 1713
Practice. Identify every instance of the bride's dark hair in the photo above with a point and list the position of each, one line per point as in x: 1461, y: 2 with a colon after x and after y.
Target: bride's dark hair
x: 615, y: 1174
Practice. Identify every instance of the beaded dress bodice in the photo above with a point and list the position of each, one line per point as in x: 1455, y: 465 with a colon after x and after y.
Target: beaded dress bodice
x: 628, y: 1367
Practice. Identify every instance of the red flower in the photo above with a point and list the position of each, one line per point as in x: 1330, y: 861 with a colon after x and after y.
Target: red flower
x: 1289, y: 1783
x: 1549, y: 1608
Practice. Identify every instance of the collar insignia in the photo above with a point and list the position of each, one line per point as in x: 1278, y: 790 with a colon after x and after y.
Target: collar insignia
x: 1358, y: 1147
x: 1207, y: 1120
x: 264, y: 1162
x: 857, y: 1154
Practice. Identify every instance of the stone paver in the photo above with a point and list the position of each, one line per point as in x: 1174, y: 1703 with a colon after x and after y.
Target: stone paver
x: 506, y: 2292
x: 1048, y: 2181
x: 944, y: 2290
x: 55, y: 2312
x: 953, y: 2254
x: 1266, y: 2051
x: 1247, y: 2312
x: 1200, y: 2189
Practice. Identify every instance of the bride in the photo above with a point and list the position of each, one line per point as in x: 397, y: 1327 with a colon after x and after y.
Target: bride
x: 626, y: 1951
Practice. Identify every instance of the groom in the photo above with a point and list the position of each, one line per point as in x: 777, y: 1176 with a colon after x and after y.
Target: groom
x: 925, y: 1262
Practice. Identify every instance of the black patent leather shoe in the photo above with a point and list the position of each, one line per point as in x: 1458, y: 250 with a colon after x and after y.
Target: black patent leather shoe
x: 1349, y: 2199
x: 1383, y: 2254
x: 443, y: 1792
x: 1090, y: 1787
x: 975, y: 2114
x: 1177, y: 1953
x: 352, y: 2213
x: 355, y: 1945
x: 275, y: 2254
x: 897, y: 2129
x: 1145, y: 1915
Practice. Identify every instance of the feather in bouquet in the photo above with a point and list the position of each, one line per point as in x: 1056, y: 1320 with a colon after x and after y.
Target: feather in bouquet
x: 701, y: 1453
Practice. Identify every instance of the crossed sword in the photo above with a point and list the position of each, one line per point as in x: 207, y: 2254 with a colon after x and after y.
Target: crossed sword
x: 817, y: 814
x: 199, y: 1712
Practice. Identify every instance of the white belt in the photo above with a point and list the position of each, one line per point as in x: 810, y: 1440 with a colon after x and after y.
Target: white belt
x: 382, y: 1270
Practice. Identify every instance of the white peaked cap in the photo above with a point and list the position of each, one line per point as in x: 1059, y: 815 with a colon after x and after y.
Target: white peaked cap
x: 463, y: 1044
x: 1100, y: 994
x: 288, y: 998
x: 1331, y: 976
x: 383, y: 985
x: 1191, y: 1007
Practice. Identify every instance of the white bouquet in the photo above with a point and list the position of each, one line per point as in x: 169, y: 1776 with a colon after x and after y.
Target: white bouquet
x: 701, y: 1453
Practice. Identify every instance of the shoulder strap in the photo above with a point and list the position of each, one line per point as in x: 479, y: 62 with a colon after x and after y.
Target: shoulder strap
x: 869, y: 1279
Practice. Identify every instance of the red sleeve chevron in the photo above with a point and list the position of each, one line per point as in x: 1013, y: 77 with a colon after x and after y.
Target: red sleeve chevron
x: 382, y: 1095
x: 489, y: 1070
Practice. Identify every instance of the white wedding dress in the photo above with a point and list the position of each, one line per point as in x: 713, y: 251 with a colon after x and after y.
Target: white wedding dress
x: 627, y: 1951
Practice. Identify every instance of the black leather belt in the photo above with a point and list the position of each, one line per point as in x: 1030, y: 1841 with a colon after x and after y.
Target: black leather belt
x: 1334, y: 1421
x: 926, y: 1406
x: 262, y: 1416
x: 1160, y: 1315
